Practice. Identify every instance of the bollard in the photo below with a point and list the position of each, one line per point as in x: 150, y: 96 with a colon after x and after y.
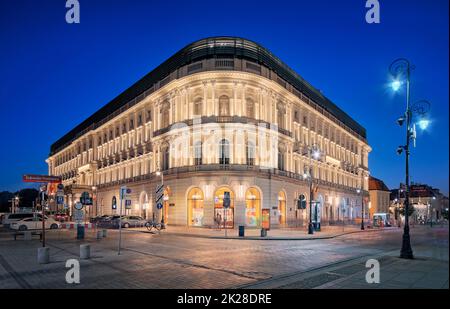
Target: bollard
x: 263, y: 232
x: 104, y: 233
x: 80, y: 231
x: 85, y: 251
x: 241, y: 231
x: 99, y: 234
x: 27, y: 235
x: 43, y: 255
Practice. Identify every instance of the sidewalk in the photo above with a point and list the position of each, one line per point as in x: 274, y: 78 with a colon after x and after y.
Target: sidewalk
x: 299, y: 233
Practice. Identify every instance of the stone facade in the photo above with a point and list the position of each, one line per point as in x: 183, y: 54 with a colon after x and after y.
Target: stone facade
x: 215, y: 131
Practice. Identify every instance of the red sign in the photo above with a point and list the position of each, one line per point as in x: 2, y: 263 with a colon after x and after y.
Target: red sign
x: 265, y: 222
x: 41, y: 178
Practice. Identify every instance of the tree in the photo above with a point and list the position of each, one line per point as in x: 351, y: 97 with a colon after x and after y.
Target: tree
x: 5, y: 203
x: 27, y: 197
x: 411, y: 210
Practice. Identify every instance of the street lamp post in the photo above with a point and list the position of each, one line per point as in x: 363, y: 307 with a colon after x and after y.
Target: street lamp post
x: 94, y: 190
x: 402, y: 68
x: 312, y: 151
x: 359, y: 191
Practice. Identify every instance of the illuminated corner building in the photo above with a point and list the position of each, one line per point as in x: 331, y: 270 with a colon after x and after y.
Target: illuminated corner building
x: 221, y: 115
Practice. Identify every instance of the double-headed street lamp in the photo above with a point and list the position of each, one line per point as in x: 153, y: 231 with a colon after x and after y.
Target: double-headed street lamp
x: 401, y: 71
x: 312, y: 152
x: 360, y: 191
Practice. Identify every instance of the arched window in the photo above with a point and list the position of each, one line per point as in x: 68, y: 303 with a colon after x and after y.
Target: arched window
x: 224, y: 106
x: 280, y: 160
x: 280, y: 118
x: 253, y: 207
x: 281, y: 207
x: 114, y: 203
x: 250, y: 112
x: 250, y: 155
x: 198, y: 153
x: 195, y: 207
x: 165, y: 115
x: 165, y: 157
x: 198, y: 105
x: 224, y: 152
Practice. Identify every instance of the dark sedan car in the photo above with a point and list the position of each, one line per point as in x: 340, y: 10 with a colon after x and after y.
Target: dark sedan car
x: 99, y: 219
x: 128, y: 221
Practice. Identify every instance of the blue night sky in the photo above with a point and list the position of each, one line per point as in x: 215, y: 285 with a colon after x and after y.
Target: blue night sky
x: 54, y: 74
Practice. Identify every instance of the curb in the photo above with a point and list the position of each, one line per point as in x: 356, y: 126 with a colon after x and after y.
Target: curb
x: 280, y: 237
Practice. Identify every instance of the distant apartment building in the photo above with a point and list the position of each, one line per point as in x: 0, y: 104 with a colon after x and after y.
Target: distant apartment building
x: 429, y: 203
x: 379, y: 196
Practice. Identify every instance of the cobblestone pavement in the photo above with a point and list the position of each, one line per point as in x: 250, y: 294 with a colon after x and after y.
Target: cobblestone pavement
x: 173, y: 261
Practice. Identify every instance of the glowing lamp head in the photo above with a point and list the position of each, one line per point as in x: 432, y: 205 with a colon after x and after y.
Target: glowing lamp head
x: 316, y: 154
x: 358, y: 191
x: 423, y: 124
x: 158, y: 173
x: 396, y: 84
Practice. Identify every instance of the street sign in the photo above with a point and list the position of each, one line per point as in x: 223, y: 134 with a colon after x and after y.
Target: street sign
x: 159, y: 188
x: 301, y: 202
x: 226, y: 199
x: 159, y: 194
x: 159, y: 206
x: 84, y: 197
x: 41, y: 178
x: 125, y: 193
x: 78, y: 206
x: 60, y: 187
x: 127, y: 204
x: 59, y: 200
x: 66, y: 206
x: 78, y: 215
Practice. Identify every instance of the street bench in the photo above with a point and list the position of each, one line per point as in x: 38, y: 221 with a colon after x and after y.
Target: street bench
x: 33, y: 233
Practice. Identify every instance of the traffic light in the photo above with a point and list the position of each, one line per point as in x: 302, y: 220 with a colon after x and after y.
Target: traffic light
x: 301, y: 202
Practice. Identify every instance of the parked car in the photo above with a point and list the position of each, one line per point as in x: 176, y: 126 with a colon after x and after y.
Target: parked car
x: 34, y: 223
x: 99, y: 219
x: 128, y: 221
x: 10, y: 218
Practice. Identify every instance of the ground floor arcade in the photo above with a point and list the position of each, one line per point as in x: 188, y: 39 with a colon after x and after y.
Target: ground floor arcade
x: 197, y: 201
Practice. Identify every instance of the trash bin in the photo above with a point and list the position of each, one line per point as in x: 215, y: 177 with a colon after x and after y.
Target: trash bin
x: 241, y: 231
x: 263, y: 232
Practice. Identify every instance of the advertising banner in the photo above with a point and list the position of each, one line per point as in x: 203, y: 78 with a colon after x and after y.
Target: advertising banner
x: 226, y: 216
x: 250, y: 217
x: 197, y: 216
x: 265, y: 220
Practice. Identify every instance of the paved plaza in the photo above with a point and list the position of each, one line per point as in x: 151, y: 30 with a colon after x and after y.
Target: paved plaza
x: 178, y: 258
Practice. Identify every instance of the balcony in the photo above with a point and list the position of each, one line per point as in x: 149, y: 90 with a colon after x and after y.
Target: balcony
x: 221, y: 119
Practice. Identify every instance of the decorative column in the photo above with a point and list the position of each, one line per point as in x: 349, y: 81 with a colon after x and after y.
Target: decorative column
x: 234, y: 103
x: 205, y: 99
x: 214, y: 104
